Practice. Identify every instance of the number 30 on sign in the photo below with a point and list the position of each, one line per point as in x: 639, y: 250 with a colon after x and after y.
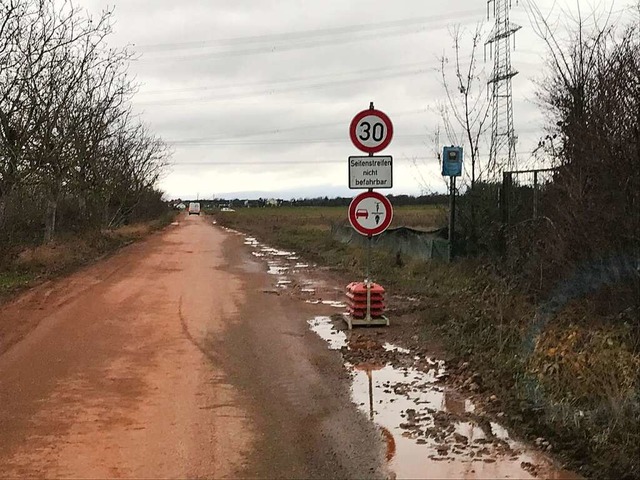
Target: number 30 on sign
x: 371, y: 131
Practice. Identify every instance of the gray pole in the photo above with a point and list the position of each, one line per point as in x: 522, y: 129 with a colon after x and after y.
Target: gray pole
x: 369, y: 239
x: 452, y: 215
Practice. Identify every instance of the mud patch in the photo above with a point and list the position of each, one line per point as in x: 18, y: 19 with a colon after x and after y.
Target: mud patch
x: 431, y: 430
x: 293, y: 275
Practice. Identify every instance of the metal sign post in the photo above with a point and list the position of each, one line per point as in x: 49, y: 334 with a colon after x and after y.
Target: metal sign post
x: 370, y: 213
x: 452, y: 215
x: 452, y: 167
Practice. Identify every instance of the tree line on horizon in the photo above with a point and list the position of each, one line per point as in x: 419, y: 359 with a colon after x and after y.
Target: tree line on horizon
x: 396, y: 200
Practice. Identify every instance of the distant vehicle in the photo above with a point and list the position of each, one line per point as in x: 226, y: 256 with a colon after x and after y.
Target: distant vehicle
x: 227, y: 209
x: 194, y: 208
x: 362, y: 213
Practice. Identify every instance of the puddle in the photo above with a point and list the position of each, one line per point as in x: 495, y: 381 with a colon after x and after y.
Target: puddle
x: 430, y: 429
x: 275, y: 252
x: 275, y: 269
x: 284, y: 264
x: 251, y: 241
x: 393, y: 348
x: 323, y: 327
x: 334, y: 303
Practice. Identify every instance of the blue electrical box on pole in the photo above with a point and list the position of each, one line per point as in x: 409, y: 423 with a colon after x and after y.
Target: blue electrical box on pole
x: 452, y: 161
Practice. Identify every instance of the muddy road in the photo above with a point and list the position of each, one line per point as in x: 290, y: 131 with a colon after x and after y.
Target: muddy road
x: 201, y: 353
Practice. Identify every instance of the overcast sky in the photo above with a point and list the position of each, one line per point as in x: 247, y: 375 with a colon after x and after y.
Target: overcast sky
x: 256, y: 96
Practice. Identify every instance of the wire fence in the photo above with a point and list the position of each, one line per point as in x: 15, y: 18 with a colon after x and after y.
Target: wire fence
x: 521, y: 192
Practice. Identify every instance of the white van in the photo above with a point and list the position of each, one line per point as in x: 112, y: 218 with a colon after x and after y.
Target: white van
x: 194, y: 208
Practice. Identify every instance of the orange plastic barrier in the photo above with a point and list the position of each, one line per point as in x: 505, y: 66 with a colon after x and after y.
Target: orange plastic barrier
x: 357, y: 300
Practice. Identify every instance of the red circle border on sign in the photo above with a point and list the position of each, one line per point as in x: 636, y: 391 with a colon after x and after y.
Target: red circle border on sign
x: 354, y: 123
x: 380, y: 228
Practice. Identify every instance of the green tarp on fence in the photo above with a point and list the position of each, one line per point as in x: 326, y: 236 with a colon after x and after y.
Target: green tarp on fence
x: 427, y: 245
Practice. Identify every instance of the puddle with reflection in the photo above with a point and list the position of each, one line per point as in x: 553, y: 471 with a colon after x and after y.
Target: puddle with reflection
x: 251, y: 241
x: 276, y: 269
x: 430, y: 430
x: 274, y: 251
x: 330, y: 303
x: 323, y: 327
x: 281, y: 263
x: 393, y: 348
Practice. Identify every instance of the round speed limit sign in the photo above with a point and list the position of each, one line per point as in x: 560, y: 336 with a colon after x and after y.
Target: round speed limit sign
x: 371, y: 131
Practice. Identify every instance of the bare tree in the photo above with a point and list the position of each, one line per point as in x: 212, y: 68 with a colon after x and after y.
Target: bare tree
x: 465, y: 111
x: 66, y: 129
x: 591, y: 96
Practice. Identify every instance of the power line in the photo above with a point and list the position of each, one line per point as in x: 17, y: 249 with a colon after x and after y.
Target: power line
x: 204, y: 88
x: 232, y: 140
x: 299, y: 163
x: 278, y: 130
x: 274, y: 142
x: 313, y: 86
x: 307, y: 34
x: 199, y: 54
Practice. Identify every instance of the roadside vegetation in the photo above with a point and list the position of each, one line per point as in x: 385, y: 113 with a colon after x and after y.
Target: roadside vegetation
x: 76, y: 164
x: 544, y: 307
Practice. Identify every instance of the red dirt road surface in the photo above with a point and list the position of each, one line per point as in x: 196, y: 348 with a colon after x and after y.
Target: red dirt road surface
x: 177, y: 358
x: 133, y: 368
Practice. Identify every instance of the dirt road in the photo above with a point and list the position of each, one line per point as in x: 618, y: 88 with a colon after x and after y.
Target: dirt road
x: 173, y: 358
x: 203, y: 353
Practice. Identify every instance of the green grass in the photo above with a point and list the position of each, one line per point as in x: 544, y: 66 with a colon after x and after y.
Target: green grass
x: 307, y: 230
x: 10, y: 281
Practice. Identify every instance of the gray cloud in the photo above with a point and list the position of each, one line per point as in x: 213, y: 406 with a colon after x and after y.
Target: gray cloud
x: 256, y: 96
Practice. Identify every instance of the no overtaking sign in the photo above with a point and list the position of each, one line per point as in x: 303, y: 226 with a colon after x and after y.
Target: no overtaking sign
x: 370, y: 213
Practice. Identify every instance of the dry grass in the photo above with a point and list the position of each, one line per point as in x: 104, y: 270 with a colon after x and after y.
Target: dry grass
x: 32, y: 264
x: 579, y: 387
x: 48, y: 256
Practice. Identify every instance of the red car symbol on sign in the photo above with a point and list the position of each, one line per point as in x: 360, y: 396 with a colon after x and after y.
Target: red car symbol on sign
x: 362, y: 213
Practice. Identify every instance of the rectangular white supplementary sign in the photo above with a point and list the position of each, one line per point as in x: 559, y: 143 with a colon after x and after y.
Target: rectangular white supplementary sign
x: 371, y: 172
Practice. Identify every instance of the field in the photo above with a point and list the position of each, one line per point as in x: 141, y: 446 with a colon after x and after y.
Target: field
x: 575, y: 383
x: 307, y: 230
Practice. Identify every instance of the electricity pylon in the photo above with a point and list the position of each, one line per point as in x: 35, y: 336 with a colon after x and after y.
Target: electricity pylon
x: 502, y: 154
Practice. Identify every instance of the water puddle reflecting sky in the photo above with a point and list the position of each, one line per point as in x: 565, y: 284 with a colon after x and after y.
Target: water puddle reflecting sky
x: 430, y: 430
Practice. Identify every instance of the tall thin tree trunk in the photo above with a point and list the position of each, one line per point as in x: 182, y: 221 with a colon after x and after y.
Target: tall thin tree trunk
x: 3, y: 209
x: 50, y: 219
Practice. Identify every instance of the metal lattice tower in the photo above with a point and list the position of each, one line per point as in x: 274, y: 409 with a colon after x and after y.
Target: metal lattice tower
x: 502, y: 155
